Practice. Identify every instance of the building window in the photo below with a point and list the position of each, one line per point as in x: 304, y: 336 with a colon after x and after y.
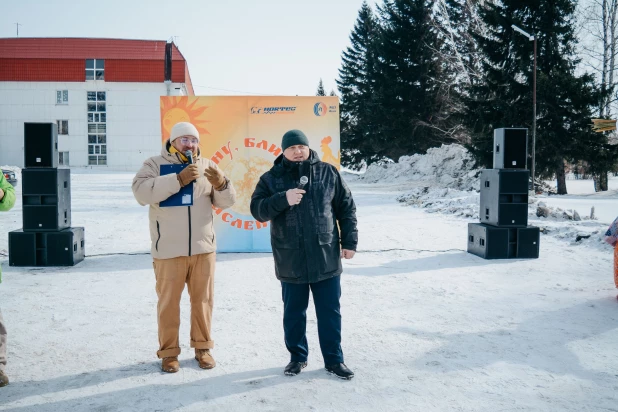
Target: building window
x: 63, y: 158
x: 63, y: 126
x: 97, y: 128
x: 62, y: 97
x: 95, y: 69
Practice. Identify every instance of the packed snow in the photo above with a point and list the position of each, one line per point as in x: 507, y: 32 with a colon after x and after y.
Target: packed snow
x: 426, y: 326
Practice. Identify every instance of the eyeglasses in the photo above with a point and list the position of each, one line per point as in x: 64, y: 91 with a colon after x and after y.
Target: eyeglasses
x: 187, y: 140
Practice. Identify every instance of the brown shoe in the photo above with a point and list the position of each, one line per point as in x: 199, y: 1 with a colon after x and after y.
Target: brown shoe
x: 170, y: 365
x: 204, y: 358
x: 4, y: 380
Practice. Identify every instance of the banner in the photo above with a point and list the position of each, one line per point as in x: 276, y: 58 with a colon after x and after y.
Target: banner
x: 243, y: 136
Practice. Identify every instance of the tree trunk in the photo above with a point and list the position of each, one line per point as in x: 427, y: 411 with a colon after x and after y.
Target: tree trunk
x: 603, y: 182
x: 561, y: 179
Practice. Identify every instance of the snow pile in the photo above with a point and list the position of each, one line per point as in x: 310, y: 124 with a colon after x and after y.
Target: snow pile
x: 449, y: 184
x: 443, y: 200
x: 448, y: 166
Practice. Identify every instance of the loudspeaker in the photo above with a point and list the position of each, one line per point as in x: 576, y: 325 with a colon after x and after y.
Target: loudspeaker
x: 488, y: 242
x: 61, y: 248
x: 46, y: 182
x: 491, y: 242
x: 40, y: 145
x: 66, y: 247
x: 46, y: 196
x: 22, y: 248
x: 528, y: 242
x: 504, y: 197
x: 510, y: 148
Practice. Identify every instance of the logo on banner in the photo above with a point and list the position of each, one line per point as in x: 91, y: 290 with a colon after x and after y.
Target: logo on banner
x: 320, y: 109
x: 273, y: 110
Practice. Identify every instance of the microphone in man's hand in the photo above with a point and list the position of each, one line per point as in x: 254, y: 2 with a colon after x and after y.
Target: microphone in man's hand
x: 189, y: 156
x: 301, y: 185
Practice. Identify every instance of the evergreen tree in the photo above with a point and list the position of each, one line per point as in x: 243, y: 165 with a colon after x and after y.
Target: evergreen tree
x: 504, y: 97
x: 357, y: 91
x: 332, y: 93
x: 320, y: 91
x: 411, y: 87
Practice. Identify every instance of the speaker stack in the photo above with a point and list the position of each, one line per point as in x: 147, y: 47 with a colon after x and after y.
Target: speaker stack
x: 47, y: 238
x: 503, y: 232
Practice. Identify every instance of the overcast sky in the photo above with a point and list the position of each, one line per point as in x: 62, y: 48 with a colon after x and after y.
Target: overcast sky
x: 266, y: 47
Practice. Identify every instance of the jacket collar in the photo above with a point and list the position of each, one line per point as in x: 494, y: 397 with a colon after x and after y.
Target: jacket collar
x: 174, y: 157
x: 281, y: 164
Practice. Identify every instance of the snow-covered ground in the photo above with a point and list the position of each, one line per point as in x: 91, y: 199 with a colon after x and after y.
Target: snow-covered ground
x: 426, y: 326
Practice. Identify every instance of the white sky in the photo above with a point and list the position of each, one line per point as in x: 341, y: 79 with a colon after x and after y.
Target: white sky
x: 268, y: 47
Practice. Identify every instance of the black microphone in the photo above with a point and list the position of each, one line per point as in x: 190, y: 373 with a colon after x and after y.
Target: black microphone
x: 189, y: 155
x: 301, y: 184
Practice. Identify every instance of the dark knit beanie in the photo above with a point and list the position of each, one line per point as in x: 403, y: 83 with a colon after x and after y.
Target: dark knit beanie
x: 292, y: 138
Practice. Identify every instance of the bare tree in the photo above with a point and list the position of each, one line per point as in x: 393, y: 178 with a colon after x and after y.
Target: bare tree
x: 599, y: 24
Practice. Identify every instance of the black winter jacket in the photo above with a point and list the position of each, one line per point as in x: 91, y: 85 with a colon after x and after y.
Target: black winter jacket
x: 305, y: 239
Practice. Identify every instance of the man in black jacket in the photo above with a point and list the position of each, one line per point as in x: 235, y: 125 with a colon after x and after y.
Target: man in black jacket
x: 311, y: 230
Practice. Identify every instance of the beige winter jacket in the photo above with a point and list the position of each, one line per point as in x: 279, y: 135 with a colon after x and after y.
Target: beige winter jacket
x: 180, y: 230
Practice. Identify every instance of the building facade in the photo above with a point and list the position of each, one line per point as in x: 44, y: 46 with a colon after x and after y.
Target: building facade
x: 103, y: 94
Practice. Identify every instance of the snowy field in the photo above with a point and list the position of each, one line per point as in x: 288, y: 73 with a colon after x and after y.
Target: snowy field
x: 426, y: 326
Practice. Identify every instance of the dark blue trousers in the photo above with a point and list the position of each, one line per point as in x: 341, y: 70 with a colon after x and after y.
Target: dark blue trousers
x: 326, y: 296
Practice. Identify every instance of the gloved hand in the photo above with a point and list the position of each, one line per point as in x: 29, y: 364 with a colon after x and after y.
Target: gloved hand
x: 215, y: 176
x: 188, y: 174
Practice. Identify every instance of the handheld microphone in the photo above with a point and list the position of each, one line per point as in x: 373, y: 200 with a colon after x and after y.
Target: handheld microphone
x: 189, y: 155
x: 301, y: 184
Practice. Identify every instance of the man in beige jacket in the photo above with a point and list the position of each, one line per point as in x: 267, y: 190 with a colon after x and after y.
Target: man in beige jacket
x: 183, y: 241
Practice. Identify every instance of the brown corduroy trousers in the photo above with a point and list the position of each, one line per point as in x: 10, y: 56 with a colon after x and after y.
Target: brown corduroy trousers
x: 198, y: 272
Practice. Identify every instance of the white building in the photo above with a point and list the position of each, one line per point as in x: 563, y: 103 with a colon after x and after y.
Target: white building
x: 103, y: 94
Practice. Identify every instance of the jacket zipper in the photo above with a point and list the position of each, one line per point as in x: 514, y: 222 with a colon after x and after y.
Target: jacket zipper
x: 189, y: 210
x: 159, y: 238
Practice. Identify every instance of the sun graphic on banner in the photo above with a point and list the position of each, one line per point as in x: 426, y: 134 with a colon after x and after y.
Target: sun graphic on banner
x: 245, y: 175
x: 175, y: 109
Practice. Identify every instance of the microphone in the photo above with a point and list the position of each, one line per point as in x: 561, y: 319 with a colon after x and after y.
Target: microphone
x: 301, y: 184
x: 189, y: 155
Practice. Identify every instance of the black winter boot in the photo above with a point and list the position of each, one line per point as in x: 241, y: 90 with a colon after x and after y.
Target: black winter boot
x: 340, y: 370
x: 294, y: 368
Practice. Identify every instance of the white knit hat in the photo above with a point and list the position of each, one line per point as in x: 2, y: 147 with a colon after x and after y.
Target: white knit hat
x: 184, y: 129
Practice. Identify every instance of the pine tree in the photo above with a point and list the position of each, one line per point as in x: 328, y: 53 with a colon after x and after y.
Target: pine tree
x: 357, y: 91
x: 411, y: 88
x: 504, y: 97
x: 320, y: 91
x: 332, y: 93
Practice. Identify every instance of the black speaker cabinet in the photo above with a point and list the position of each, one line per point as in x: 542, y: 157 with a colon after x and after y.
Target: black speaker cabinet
x: 66, y: 247
x: 22, y: 248
x: 46, y: 196
x: 491, y: 242
x: 504, y: 197
x: 61, y: 248
x: 510, y: 148
x: 40, y: 145
x: 528, y: 242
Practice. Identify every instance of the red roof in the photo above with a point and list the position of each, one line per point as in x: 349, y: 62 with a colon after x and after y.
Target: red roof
x: 84, y: 48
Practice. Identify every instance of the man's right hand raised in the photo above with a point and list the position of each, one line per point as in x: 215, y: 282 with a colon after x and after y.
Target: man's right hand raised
x: 189, y: 174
